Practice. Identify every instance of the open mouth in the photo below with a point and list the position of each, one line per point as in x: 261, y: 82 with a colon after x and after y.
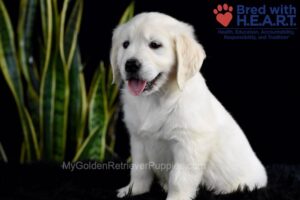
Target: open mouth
x: 137, y: 86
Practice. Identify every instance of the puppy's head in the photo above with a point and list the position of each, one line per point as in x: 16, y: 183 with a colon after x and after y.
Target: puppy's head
x: 149, y: 48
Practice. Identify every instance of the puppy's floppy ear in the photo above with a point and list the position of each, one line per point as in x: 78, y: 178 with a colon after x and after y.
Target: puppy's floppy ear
x: 113, y: 56
x: 190, y: 56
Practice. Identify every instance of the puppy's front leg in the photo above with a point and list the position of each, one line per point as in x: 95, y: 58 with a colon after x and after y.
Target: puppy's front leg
x: 186, y: 173
x: 141, y: 174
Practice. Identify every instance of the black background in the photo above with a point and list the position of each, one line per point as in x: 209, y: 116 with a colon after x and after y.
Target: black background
x: 257, y: 81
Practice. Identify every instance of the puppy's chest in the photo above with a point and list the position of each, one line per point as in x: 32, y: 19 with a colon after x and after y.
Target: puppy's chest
x: 147, y: 118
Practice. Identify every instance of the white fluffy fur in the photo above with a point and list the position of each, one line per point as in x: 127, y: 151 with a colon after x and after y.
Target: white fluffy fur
x: 179, y: 121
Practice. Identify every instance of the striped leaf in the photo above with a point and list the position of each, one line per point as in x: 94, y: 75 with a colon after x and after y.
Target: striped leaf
x: 8, y: 58
x: 33, y: 135
x: 33, y: 102
x: 72, y: 31
x: 98, y: 102
x: 47, y: 89
x: 48, y: 22
x: 47, y: 110
x: 83, y: 117
x: 72, y: 54
x: 113, y: 91
x: 44, y: 13
x: 93, y: 147
x: 25, y: 42
x: 62, y: 91
x: 26, y: 27
x: 75, y: 104
x: 61, y: 29
x: 60, y: 110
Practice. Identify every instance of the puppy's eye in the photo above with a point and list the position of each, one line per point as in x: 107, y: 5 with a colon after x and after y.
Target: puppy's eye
x: 126, y: 44
x: 155, y: 45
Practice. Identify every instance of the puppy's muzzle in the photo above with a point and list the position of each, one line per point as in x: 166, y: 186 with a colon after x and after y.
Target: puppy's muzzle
x: 132, y: 67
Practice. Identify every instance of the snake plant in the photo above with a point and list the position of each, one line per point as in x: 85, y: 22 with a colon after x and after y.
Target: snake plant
x: 60, y: 118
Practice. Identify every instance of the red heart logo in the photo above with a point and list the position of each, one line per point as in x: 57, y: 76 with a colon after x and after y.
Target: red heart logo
x: 224, y: 19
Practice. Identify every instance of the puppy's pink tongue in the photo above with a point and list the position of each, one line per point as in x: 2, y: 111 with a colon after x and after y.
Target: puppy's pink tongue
x: 136, y: 87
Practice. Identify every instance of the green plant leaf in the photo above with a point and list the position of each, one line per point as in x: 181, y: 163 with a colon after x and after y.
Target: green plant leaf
x: 23, y: 152
x: 31, y: 130
x: 75, y: 104
x: 60, y: 110
x: 128, y: 13
x: 26, y: 27
x: 72, y: 55
x: 98, y: 102
x: 113, y: 90
x: 112, y: 94
x: 72, y: 31
x: 47, y: 89
x: 8, y: 59
x: 2, y: 153
x: 47, y: 104
x: 26, y: 60
x: 33, y: 102
x: 47, y: 30
x: 44, y: 13
x: 25, y: 42
x: 61, y: 32
x: 84, y: 109
x: 62, y: 91
x: 94, y: 146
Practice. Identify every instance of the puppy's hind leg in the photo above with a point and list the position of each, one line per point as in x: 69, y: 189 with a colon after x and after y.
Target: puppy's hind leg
x: 141, y: 174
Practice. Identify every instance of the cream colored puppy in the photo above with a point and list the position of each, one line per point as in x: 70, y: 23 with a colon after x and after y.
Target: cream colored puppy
x: 172, y: 117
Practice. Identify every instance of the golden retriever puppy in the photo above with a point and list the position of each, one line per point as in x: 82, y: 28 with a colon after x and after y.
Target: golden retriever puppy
x: 172, y: 117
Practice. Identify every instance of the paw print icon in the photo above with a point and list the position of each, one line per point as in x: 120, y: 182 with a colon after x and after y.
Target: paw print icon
x: 223, y: 14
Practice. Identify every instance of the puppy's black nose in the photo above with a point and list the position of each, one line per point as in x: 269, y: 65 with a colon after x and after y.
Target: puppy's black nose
x: 132, y: 65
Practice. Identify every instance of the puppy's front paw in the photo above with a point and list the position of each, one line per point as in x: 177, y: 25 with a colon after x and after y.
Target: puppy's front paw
x: 132, y: 189
x: 122, y: 192
x: 178, y: 198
